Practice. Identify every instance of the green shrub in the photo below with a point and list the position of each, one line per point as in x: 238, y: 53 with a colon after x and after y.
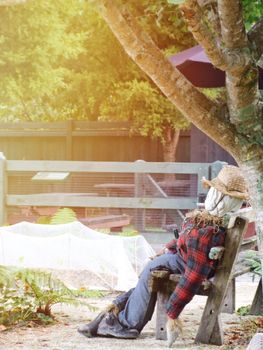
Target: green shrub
x: 243, y: 310
x: 63, y: 216
x: 252, y: 259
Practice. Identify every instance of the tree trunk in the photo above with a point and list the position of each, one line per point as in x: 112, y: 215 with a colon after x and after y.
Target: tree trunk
x: 169, y: 149
x: 253, y: 172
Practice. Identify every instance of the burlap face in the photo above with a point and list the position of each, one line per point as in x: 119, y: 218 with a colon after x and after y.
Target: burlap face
x: 219, y: 204
x: 229, y: 181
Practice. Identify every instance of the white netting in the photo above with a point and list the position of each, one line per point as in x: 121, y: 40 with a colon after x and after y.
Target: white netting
x: 106, y: 261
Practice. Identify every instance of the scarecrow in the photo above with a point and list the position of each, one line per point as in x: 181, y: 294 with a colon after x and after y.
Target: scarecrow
x: 191, y: 255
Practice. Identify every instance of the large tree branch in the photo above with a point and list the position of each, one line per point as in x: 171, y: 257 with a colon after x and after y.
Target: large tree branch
x: 205, y: 114
x: 232, y: 24
x: 255, y: 36
x: 194, y: 16
x: 204, y: 22
x: 212, y: 17
x: 242, y: 81
x: 232, y: 54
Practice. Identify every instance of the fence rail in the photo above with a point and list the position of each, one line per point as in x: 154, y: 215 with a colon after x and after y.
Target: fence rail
x: 135, y: 185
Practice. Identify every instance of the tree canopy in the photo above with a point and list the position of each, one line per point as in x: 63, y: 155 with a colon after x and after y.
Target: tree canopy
x: 32, y: 49
x: 65, y: 63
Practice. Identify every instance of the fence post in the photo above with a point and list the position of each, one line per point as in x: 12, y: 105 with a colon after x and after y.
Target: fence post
x: 139, y: 192
x: 69, y: 140
x: 3, y: 188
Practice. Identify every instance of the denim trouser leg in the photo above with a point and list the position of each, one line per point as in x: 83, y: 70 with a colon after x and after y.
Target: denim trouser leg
x: 122, y: 299
x: 140, y: 304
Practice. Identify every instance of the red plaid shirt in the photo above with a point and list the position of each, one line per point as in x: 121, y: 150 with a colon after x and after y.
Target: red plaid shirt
x: 193, y: 245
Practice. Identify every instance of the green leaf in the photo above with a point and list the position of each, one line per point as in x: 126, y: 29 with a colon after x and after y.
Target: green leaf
x: 243, y: 310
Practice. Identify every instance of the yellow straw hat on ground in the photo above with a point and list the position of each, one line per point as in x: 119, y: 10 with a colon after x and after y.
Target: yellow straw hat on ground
x: 229, y: 181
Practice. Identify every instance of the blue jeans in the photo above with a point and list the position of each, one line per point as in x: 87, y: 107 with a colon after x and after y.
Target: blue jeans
x: 137, y: 305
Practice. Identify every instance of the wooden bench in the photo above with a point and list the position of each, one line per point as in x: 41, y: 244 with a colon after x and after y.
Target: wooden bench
x: 113, y: 222
x: 240, y: 269
x: 217, y: 289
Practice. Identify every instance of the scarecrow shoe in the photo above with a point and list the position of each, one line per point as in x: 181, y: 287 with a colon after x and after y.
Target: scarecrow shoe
x: 111, y: 327
x: 90, y: 329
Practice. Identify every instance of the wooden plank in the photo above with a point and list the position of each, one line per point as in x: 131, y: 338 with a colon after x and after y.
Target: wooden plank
x: 249, y: 243
x: 139, y: 190
x: 81, y: 124
x: 202, y: 172
x: 47, y: 176
x: 110, y: 224
x: 105, y: 167
x: 248, y: 213
x: 161, y: 317
x: 113, y: 186
x: 221, y: 282
x: 33, y: 125
x: 100, y: 125
x: 230, y: 298
x: 241, y: 270
x: 257, y: 304
x: 32, y: 133
x: 69, y: 144
x: 217, y: 337
x: 3, y: 188
x: 60, y: 199
x: 96, y: 133
x: 105, y: 218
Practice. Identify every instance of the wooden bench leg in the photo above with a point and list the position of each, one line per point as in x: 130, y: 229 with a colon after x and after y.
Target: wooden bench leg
x: 257, y: 304
x: 161, y: 317
x: 210, y: 323
x: 229, y: 304
x: 217, y: 337
x: 210, y: 335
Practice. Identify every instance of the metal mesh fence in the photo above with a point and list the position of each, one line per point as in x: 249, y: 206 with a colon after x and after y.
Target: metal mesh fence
x: 108, y: 185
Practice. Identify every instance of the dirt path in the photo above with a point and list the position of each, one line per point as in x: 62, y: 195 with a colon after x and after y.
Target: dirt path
x: 64, y: 335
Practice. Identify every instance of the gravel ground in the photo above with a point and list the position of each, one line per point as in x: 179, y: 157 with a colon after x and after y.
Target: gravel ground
x: 64, y: 336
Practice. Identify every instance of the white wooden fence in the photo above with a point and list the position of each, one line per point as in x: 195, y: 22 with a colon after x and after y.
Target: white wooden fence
x: 139, y: 170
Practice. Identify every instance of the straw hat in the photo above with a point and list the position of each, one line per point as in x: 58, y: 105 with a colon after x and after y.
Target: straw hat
x: 229, y: 181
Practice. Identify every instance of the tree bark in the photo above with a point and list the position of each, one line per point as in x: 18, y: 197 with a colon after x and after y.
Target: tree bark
x: 199, y: 109
x: 255, y: 36
x: 232, y: 24
x: 169, y: 149
x: 253, y: 171
x: 230, y: 52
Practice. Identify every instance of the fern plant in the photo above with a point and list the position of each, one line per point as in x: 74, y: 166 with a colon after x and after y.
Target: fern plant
x: 27, y: 294
x: 46, y: 290
x: 63, y: 216
x: 5, y: 276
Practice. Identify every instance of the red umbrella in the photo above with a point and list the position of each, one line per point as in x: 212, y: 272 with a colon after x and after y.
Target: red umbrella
x: 197, y: 68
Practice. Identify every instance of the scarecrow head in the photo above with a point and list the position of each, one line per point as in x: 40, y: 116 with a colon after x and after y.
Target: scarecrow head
x: 227, y: 191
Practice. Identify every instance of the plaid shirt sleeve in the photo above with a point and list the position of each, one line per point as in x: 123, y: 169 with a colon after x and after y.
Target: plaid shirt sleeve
x: 172, y: 245
x: 198, y: 268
